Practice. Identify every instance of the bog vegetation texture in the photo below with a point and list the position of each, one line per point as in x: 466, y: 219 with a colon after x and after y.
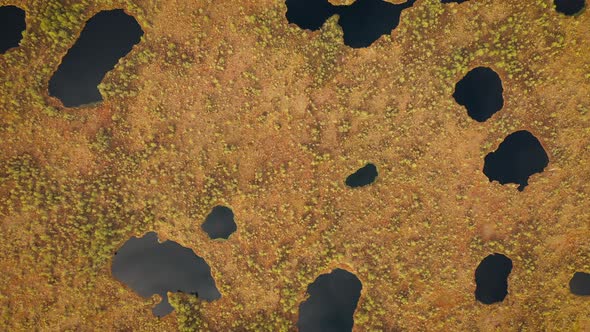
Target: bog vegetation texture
x: 226, y: 103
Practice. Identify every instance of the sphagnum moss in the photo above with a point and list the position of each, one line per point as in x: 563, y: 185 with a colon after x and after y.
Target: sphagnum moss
x: 226, y: 103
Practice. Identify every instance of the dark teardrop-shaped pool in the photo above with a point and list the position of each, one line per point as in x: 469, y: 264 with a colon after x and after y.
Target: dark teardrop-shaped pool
x: 107, y: 37
x: 150, y: 267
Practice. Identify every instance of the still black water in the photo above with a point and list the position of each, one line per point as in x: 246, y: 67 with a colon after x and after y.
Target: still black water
x: 480, y: 91
x: 491, y: 278
x: 362, y: 22
x: 333, y: 298
x: 365, y: 21
x: 12, y: 25
x: 569, y: 7
x: 150, y: 267
x: 518, y: 157
x: 107, y: 37
x: 362, y: 177
x: 220, y: 223
x: 580, y: 284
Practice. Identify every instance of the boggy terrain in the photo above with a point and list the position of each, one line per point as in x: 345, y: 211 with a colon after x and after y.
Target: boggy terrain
x: 224, y: 103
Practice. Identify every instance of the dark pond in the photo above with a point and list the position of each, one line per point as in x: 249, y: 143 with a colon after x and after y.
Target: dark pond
x: 491, y: 278
x: 333, y: 298
x: 518, y: 157
x: 107, y: 37
x: 362, y: 177
x: 220, y: 223
x: 365, y: 21
x: 362, y: 23
x: 149, y: 267
x: 12, y: 25
x: 580, y: 284
x: 569, y: 7
x: 480, y: 91
x: 309, y: 14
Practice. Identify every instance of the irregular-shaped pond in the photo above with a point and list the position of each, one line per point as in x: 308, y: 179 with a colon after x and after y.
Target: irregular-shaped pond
x: 365, y: 21
x: 518, y: 157
x: 363, y: 176
x: 309, y: 14
x: 333, y: 298
x: 150, y: 267
x: 480, y: 91
x: 220, y: 223
x: 491, y: 278
x: 107, y: 37
x: 12, y: 25
x: 569, y: 7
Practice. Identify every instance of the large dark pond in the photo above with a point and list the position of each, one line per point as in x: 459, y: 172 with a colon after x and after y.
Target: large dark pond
x: 12, y: 25
x: 107, y: 37
x: 491, y: 278
x: 333, y: 298
x: 480, y: 91
x: 362, y: 22
x: 150, y: 267
x: 518, y: 157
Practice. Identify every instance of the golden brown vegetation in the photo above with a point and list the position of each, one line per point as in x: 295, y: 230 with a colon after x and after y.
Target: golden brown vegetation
x: 224, y: 102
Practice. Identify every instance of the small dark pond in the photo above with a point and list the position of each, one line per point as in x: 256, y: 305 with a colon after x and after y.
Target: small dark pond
x: 491, y: 279
x: 220, y: 223
x: 518, y: 157
x: 12, y: 25
x: 480, y: 91
x: 333, y: 298
x: 149, y: 267
x: 569, y: 7
x: 107, y: 37
x: 362, y: 22
x: 580, y: 284
x: 362, y: 177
